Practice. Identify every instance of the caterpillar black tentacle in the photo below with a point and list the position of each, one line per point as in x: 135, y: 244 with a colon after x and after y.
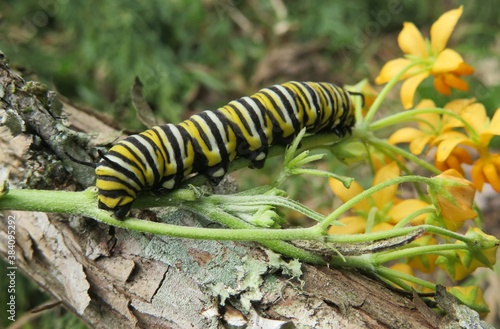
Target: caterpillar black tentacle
x: 161, y: 157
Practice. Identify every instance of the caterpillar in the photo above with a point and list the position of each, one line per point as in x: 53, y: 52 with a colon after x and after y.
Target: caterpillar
x: 161, y: 157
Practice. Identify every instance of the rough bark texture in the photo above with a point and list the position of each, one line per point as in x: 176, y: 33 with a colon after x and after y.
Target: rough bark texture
x: 112, y: 278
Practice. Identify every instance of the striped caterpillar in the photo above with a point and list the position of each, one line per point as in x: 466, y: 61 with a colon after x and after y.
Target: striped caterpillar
x: 161, y: 157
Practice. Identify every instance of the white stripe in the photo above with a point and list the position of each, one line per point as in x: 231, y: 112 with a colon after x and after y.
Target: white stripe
x: 209, y: 134
x: 277, y: 99
x: 171, y: 152
x: 141, y: 140
x: 290, y: 99
x: 220, y: 126
x: 254, y: 130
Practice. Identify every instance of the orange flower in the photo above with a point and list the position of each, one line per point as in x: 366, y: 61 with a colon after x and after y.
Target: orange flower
x: 429, y: 127
x: 429, y: 58
x: 454, y: 196
x: 487, y: 170
x: 455, y: 159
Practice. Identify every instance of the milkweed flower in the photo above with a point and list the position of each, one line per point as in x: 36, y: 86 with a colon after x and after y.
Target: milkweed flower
x: 479, y: 130
x: 454, y: 137
x: 486, y: 169
x: 430, y: 57
x: 428, y: 129
x: 454, y: 196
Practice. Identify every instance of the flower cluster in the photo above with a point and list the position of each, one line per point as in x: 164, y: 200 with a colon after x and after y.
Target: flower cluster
x: 458, y: 137
x: 426, y: 58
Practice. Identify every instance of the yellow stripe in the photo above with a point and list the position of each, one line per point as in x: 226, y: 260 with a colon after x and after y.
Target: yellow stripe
x: 146, y: 169
x: 189, y: 159
x: 109, y: 186
x: 287, y: 127
x: 160, y: 163
x: 252, y: 141
x: 112, y: 203
x: 309, y: 110
x: 213, y: 157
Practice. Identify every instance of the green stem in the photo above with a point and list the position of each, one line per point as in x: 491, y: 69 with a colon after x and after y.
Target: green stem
x: 84, y: 204
x: 383, y: 93
x: 416, y: 251
x: 356, y: 199
x: 407, y: 219
x: 389, y: 274
x: 368, y: 237
x: 256, y: 200
x: 396, y: 150
x: 410, y: 116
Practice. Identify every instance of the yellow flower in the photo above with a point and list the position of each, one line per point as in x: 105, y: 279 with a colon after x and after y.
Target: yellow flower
x: 487, y: 170
x: 453, y: 147
x: 406, y: 208
x: 455, y: 159
x: 454, y: 197
x: 429, y: 127
x: 380, y: 200
x: 430, y: 58
x: 433, y: 129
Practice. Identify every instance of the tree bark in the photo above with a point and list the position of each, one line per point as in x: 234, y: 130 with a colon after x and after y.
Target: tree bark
x: 112, y: 278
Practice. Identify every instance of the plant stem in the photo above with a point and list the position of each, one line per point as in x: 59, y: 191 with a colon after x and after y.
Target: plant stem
x: 410, y: 116
x: 383, y: 93
x: 396, y: 150
x: 407, y: 219
x: 416, y: 251
x: 349, y: 204
x: 389, y: 274
x: 84, y: 204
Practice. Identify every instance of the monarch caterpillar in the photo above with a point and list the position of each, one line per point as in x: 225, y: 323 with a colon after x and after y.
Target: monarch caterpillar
x: 161, y: 157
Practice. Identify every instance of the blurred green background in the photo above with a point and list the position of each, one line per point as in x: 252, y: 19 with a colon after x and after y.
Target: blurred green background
x: 198, y: 55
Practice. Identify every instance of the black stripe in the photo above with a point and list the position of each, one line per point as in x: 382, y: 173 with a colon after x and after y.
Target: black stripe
x: 117, y: 180
x: 241, y: 118
x: 218, y: 138
x: 288, y: 107
x: 125, y: 170
x: 160, y: 149
x: 226, y: 123
x: 176, y: 147
x: 231, y: 125
x: 150, y: 158
x: 300, y: 102
x: 255, y: 118
x: 203, y: 135
x: 314, y: 103
x: 334, y: 103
